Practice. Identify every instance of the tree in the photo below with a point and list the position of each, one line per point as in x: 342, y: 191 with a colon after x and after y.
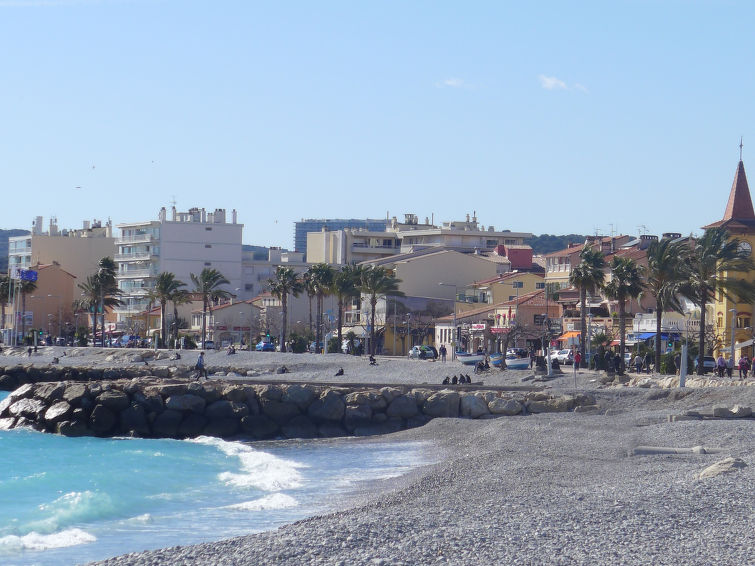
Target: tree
x: 378, y: 282
x: 166, y: 287
x: 99, y: 291
x: 180, y: 297
x: 345, y: 286
x: 207, y: 284
x: 286, y: 283
x: 587, y: 276
x: 711, y: 264
x: 27, y: 287
x: 515, y: 331
x: 321, y: 275
x: 5, y: 286
x: 309, y: 288
x: 626, y: 283
x: 665, y: 274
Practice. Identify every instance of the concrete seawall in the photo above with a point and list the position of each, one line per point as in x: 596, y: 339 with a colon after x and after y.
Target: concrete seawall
x: 165, y: 407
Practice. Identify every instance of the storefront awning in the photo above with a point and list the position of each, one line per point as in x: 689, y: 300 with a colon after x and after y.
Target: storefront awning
x: 570, y: 334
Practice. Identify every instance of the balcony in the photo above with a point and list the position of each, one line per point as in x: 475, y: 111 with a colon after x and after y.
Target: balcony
x: 135, y: 256
x: 136, y: 273
x: 138, y: 239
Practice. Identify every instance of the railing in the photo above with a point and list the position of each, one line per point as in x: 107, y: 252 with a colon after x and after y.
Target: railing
x: 137, y: 273
x: 141, y: 238
x: 134, y: 256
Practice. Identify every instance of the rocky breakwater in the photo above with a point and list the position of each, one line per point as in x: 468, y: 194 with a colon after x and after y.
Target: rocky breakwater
x: 152, y: 407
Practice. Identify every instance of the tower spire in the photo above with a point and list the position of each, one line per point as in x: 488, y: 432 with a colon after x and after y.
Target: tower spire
x: 740, y: 148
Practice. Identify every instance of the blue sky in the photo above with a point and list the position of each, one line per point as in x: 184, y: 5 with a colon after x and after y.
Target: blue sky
x: 546, y: 117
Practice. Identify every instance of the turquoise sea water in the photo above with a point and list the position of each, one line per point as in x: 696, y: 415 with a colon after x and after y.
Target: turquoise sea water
x: 74, y: 500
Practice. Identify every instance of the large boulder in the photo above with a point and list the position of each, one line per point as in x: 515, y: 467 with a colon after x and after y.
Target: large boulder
x: 134, y: 420
x: 331, y: 430
x: 102, y: 420
x: 442, y: 404
x: 403, y: 407
x: 299, y: 427
x: 113, y: 399
x: 8, y: 382
x: 222, y: 427
x: 72, y: 428
x: 74, y: 393
x: 473, y: 407
x: 300, y: 395
x: 356, y: 416
x: 207, y: 391
x: 28, y: 408
x: 560, y: 404
x: 50, y: 392
x: 192, y: 425
x: 507, y: 407
x: 279, y: 412
x: 235, y: 393
x: 390, y: 393
x: 223, y: 409
x: 259, y: 426
x: 271, y: 392
x: 58, y: 412
x: 166, y: 423
x: 329, y: 407
x: 151, y: 401
x: 186, y: 402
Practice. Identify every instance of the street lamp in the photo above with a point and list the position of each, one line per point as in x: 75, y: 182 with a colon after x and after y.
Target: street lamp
x: 456, y: 296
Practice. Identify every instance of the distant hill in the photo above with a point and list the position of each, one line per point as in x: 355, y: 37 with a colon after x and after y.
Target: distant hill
x: 4, y: 235
x: 546, y: 243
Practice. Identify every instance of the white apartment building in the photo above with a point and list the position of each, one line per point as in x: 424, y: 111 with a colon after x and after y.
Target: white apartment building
x: 257, y: 272
x: 182, y: 244
x: 77, y: 251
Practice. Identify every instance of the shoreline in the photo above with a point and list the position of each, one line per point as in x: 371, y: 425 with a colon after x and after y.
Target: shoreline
x: 551, y: 488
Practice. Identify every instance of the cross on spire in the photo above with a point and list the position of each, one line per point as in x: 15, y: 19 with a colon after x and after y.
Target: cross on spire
x: 740, y: 148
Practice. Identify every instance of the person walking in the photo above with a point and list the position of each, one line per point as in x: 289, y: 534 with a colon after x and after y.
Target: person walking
x: 200, y: 367
x: 729, y: 366
x: 638, y: 363
x: 443, y: 352
x: 678, y: 362
x: 720, y: 365
x: 648, y: 361
x: 742, y: 367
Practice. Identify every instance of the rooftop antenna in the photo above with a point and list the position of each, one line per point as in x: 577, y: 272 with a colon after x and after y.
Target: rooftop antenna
x: 642, y: 229
x: 612, y: 230
x: 740, y: 148
x: 173, y: 200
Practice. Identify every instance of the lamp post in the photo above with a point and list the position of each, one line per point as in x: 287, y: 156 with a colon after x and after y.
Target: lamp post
x: 733, y: 331
x: 683, y: 364
x: 589, y: 340
x: 456, y: 296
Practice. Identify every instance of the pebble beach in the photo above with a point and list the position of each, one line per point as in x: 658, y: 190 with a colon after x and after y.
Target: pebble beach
x: 620, y: 484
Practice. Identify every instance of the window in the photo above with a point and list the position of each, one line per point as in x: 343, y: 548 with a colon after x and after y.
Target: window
x: 208, y: 228
x: 743, y: 321
x: 540, y: 285
x: 207, y: 263
x: 208, y: 245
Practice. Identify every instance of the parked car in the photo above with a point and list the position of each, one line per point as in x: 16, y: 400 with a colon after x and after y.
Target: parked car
x: 208, y: 345
x: 265, y: 347
x: 628, y: 359
x: 563, y: 356
x: 709, y: 364
x: 422, y: 352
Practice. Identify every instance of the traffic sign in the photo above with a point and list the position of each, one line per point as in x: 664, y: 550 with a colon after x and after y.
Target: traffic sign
x: 28, y: 274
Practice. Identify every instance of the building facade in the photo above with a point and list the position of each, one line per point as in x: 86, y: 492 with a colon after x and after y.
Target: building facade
x: 183, y: 244
x: 304, y: 226
x: 77, y: 251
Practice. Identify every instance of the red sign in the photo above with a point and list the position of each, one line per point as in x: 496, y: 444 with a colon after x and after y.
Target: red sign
x: 499, y: 330
x: 482, y: 326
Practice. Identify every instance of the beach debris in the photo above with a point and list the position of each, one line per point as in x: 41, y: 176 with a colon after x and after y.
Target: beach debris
x: 725, y: 466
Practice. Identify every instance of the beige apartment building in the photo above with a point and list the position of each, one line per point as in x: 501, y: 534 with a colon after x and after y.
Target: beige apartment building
x: 77, y: 251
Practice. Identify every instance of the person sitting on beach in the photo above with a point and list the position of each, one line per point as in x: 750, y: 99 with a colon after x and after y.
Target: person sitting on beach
x: 373, y: 361
x: 200, y: 367
x: 231, y: 350
x: 454, y: 380
x: 446, y: 380
x: 339, y: 372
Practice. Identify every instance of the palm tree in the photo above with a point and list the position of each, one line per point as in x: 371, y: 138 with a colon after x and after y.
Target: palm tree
x: 377, y: 282
x: 180, y: 297
x: 665, y: 275
x: 309, y: 288
x: 27, y: 287
x: 286, y: 282
x: 711, y: 263
x: 344, y: 287
x: 5, y: 285
x: 587, y: 276
x: 166, y: 286
x: 626, y: 283
x: 207, y: 284
x: 98, y: 292
x: 322, y: 279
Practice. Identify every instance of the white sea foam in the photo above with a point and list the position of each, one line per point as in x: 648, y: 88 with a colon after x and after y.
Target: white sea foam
x: 272, y: 501
x: 37, y: 541
x: 259, y: 469
x: 72, y: 507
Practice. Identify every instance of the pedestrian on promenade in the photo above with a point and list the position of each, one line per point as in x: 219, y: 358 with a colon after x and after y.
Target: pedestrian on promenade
x: 443, y: 352
x: 200, y: 367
